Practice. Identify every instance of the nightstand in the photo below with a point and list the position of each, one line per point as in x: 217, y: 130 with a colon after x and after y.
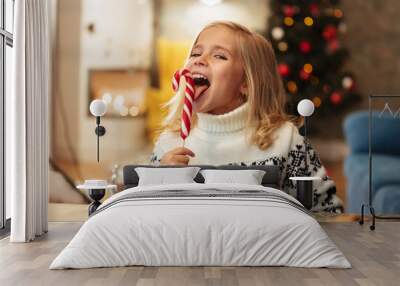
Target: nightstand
x: 96, y: 190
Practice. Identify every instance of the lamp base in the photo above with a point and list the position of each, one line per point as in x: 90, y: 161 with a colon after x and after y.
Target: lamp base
x: 305, y: 193
x: 96, y: 195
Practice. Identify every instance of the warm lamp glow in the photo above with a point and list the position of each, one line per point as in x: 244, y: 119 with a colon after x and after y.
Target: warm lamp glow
x: 211, y: 2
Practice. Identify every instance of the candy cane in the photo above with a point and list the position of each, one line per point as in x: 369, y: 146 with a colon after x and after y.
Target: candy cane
x: 188, y: 100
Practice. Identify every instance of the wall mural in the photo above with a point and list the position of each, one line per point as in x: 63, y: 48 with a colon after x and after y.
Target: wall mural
x: 123, y: 90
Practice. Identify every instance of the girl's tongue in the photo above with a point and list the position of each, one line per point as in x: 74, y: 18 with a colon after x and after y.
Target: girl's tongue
x: 201, y: 85
x: 199, y: 90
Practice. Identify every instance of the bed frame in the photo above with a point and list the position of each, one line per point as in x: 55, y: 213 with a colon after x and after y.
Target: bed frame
x: 270, y: 179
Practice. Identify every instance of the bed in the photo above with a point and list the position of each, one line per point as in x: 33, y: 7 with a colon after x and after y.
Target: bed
x: 199, y: 224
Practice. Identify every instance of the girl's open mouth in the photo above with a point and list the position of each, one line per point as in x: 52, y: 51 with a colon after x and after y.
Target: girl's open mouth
x: 201, y: 85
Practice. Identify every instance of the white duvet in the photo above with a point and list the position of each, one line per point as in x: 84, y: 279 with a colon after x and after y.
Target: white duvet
x: 183, y: 231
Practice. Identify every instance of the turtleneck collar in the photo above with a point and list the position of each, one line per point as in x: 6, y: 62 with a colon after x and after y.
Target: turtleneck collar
x: 231, y: 121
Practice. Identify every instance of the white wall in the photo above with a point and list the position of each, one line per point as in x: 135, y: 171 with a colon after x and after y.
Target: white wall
x: 123, y: 33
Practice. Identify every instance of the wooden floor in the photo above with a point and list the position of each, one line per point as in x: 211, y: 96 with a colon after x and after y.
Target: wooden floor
x: 375, y: 257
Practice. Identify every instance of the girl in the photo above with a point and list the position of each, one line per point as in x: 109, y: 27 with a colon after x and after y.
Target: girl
x: 239, y: 116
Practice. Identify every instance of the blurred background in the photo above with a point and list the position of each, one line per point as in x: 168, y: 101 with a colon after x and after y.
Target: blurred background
x: 335, y: 53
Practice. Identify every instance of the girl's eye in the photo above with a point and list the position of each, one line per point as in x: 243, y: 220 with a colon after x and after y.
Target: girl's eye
x: 194, y: 55
x: 221, y: 57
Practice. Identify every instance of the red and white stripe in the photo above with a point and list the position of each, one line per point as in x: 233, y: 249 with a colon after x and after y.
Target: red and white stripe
x: 188, y: 100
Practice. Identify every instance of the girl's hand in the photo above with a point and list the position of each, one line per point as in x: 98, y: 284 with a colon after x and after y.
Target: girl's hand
x: 177, y: 156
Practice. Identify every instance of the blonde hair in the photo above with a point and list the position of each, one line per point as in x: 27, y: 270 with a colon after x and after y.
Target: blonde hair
x: 266, y: 95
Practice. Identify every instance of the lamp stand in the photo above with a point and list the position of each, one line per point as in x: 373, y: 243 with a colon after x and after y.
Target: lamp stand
x: 305, y: 141
x: 100, y: 131
x: 96, y: 195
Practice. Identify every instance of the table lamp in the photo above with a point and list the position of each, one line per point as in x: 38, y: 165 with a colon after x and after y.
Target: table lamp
x: 304, y: 185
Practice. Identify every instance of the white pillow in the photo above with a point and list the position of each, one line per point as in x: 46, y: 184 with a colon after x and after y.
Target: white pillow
x: 165, y: 176
x: 248, y: 177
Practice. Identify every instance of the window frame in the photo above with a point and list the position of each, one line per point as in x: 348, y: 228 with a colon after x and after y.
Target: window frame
x: 6, y: 39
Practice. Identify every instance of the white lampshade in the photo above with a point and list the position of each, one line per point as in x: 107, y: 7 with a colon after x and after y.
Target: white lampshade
x: 305, y: 107
x: 98, y: 107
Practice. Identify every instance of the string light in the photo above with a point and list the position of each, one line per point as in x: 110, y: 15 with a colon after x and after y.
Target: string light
x: 308, y: 21
x: 308, y: 68
x: 282, y: 46
x: 347, y: 82
x: 134, y: 111
x: 317, y: 101
x: 288, y: 21
x: 292, y: 87
x: 336, y: 97
x: 277, y: 33
x: 338, y: 13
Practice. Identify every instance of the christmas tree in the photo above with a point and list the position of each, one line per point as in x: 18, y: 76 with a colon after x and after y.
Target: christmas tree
x: 305, y: 36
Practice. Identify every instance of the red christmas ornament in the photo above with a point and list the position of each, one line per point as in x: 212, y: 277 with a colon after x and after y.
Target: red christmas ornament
x: 289, y: 10
x: 284, y: 70
x: 336, y: 97
x: 333, y: 46
x: 329, y: 33
x: 304, y: 75
x: 314, y: 9
x: 305, y: 47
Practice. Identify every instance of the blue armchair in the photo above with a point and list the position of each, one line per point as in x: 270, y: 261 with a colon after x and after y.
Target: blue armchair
x: 385, y: 163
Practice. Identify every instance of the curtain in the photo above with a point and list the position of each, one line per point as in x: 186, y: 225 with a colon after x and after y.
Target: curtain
x: 27, y: 122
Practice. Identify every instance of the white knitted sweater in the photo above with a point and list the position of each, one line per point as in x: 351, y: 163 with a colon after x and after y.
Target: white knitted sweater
x: 223, y: 139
